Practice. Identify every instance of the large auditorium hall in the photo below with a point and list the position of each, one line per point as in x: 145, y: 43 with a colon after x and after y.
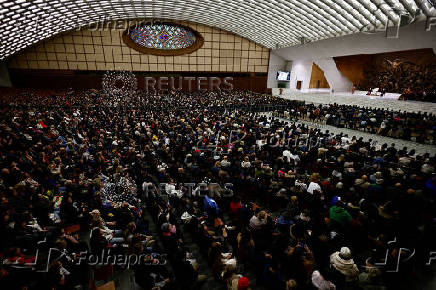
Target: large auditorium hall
x: 217, y: 144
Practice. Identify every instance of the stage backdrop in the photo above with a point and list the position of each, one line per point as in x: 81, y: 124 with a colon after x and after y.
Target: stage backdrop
x: 395, y: 71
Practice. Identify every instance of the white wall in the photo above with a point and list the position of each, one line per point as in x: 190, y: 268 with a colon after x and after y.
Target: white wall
x: 301, y: 71
x: 334, y: 77
x: 413, y: 36
x: 276, y: 63
x: 4, y: 76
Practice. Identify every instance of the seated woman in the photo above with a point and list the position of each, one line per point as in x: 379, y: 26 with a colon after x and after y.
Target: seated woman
x: 299, y: 262
x: 131, y: 234
x: 220, y: 262
x: 245, y: 250
x: 284, y: 222
x: 170, y: 239
x: 272, y: 276
x: 371, y: 279
x: 98, y: 242
x: 321, y: 282
x: 111, y: 235
x: 344, y: 271
x: 235, y: 207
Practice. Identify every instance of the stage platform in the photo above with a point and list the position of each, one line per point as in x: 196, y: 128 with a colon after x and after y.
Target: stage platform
x: 386, y: 96
x: 389, y: 101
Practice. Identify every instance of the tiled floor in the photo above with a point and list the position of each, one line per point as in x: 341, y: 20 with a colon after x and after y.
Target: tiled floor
x: 361, y: 101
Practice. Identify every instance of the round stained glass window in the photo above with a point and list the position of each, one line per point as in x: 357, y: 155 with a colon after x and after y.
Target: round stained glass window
x: 163, y: 38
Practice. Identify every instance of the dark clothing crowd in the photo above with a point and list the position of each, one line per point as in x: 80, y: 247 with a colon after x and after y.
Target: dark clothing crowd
x: 155, y: 175
x: 414, y: 81
x: 413, y: 126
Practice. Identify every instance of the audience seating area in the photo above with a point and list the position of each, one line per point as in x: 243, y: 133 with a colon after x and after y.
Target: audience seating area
x: 208, y: 193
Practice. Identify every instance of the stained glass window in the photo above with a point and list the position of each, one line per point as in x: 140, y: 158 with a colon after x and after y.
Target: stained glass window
x: 162, y: 36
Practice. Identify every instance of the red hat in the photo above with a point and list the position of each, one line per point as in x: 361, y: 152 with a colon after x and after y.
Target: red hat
x: 243, y: 283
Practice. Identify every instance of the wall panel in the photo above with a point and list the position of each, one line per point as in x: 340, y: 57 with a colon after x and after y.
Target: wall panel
x: 317, y: 79
x: 90, y: 49
x: 67, y: 78
x: 354, y: 66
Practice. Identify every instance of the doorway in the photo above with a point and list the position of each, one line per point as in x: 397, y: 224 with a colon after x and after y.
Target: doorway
x: 299, y: 83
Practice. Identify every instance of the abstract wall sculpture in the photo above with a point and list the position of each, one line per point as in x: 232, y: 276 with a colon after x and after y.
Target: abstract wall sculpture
x: 119, y: 83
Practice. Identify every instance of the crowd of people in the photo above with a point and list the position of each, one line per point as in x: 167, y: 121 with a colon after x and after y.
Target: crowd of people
x: 85, y: 173
x: 413, y: 81
x: 418, y: 127
x: 414, y: 126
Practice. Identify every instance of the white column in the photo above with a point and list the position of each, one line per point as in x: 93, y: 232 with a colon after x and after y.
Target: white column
x: 276, y: 63
x: 301, y: 71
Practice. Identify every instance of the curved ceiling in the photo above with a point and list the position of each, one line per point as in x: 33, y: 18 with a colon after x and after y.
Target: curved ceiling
x: 272, y: 23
